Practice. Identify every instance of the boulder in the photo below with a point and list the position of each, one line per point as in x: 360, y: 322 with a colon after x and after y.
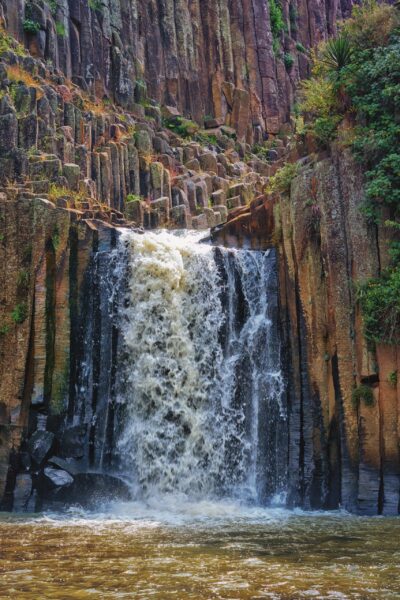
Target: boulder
x: 57, y: 477
x: 211, y: 123
x: 210, y: 216
x: 234, y: 202
x: 160, y: 209
x: 71, y: 466
x: 40, y: 445
x: 170, y: 111
x: 93, y: 489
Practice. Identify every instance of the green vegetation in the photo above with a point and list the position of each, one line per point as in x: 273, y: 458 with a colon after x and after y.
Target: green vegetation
x: 55, y: 238
x: 31, y: 26
x: 60, y: 29
x: 380, y: 303
x: 9, y: 44
x: 181, y: 126
x: 392, y: 378
x: 364, y: 393
x: 53, y: 4
x: 20, y: 313
x: 59, y: 191
x: 281, y: 181
x: 133, y: 198
x: 207, y: 139
x: 4, y: 329
x: 353, y: 97
x: 288, y: 59
x: 277, y: 23
x: 96, y: 5
x: 300, y: 48
x: 337, y: 55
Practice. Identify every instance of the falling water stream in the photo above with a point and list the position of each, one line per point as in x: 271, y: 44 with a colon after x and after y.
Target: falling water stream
x: 193, y: 415
x: 202, y: 391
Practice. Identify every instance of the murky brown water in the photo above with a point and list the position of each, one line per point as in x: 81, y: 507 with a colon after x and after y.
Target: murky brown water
x: 219, y: 555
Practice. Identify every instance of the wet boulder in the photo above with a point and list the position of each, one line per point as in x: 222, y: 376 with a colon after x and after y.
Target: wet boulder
x: 56, y: 478
x: 93, y: 489
x: 40, y: 445
x: 71, y: 465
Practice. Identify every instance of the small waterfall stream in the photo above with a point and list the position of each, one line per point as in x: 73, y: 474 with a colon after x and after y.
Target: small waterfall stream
x: 200, y: 404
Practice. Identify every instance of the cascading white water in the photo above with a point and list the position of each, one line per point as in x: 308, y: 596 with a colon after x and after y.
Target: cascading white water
x: 202, y: 394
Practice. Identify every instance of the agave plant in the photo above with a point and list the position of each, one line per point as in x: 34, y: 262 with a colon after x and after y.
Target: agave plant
x: 337, y: 54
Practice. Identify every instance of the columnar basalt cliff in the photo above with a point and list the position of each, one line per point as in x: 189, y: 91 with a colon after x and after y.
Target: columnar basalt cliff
x: 141, y: 114
x: 206, y: 58
x: 345, y: 394
x: 350, y: 448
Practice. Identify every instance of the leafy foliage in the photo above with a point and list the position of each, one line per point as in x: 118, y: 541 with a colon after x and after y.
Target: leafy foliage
x: 380, y: 302
x: 354, y: 96
x: 96, y: 5
x: 20, y: 313
x: 60, y: 29
x: 8, y: 43
x: 277, y: 22
x: 288, y: 59
x: 282, y: 180
x: 31, y: 26
x: 337, y: 54
x: 365, y: 393
x: 133, y: 198
x: 181, y: 126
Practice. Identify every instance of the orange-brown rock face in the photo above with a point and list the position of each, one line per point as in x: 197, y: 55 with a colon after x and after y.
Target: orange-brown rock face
x: 344, y: 396
x: 251, y: 226
x: 350, y: 449
x: 205, y: 57
x: 44, y: 255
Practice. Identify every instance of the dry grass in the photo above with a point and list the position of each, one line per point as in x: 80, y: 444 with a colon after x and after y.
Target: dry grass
x: 17, y: 74
x: 9, y: 44
x: 56, y: 192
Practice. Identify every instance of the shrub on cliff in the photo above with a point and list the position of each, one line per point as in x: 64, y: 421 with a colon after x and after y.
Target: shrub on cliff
x: 277, y: 23
x: 354, y: 96
x: 380, y: 303
x: 282, y: 180
x: 356, y: 75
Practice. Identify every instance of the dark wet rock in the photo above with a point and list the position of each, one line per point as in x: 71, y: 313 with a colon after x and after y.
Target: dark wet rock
x: 72, y: 442
x: 71, y: 466
x: 57, y: 477
x: 40, y: 446
x: 92, y: 489
x: 22, y: 492
x: 272, y: 155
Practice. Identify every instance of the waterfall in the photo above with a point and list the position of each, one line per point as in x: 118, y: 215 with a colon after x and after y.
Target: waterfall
x: 201, y: 405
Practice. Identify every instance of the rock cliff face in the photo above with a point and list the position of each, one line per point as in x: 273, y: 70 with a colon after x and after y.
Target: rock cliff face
x: 208, y: 58
x: 344, y: 424
x: 350, y: 441
x: 83, y: 120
